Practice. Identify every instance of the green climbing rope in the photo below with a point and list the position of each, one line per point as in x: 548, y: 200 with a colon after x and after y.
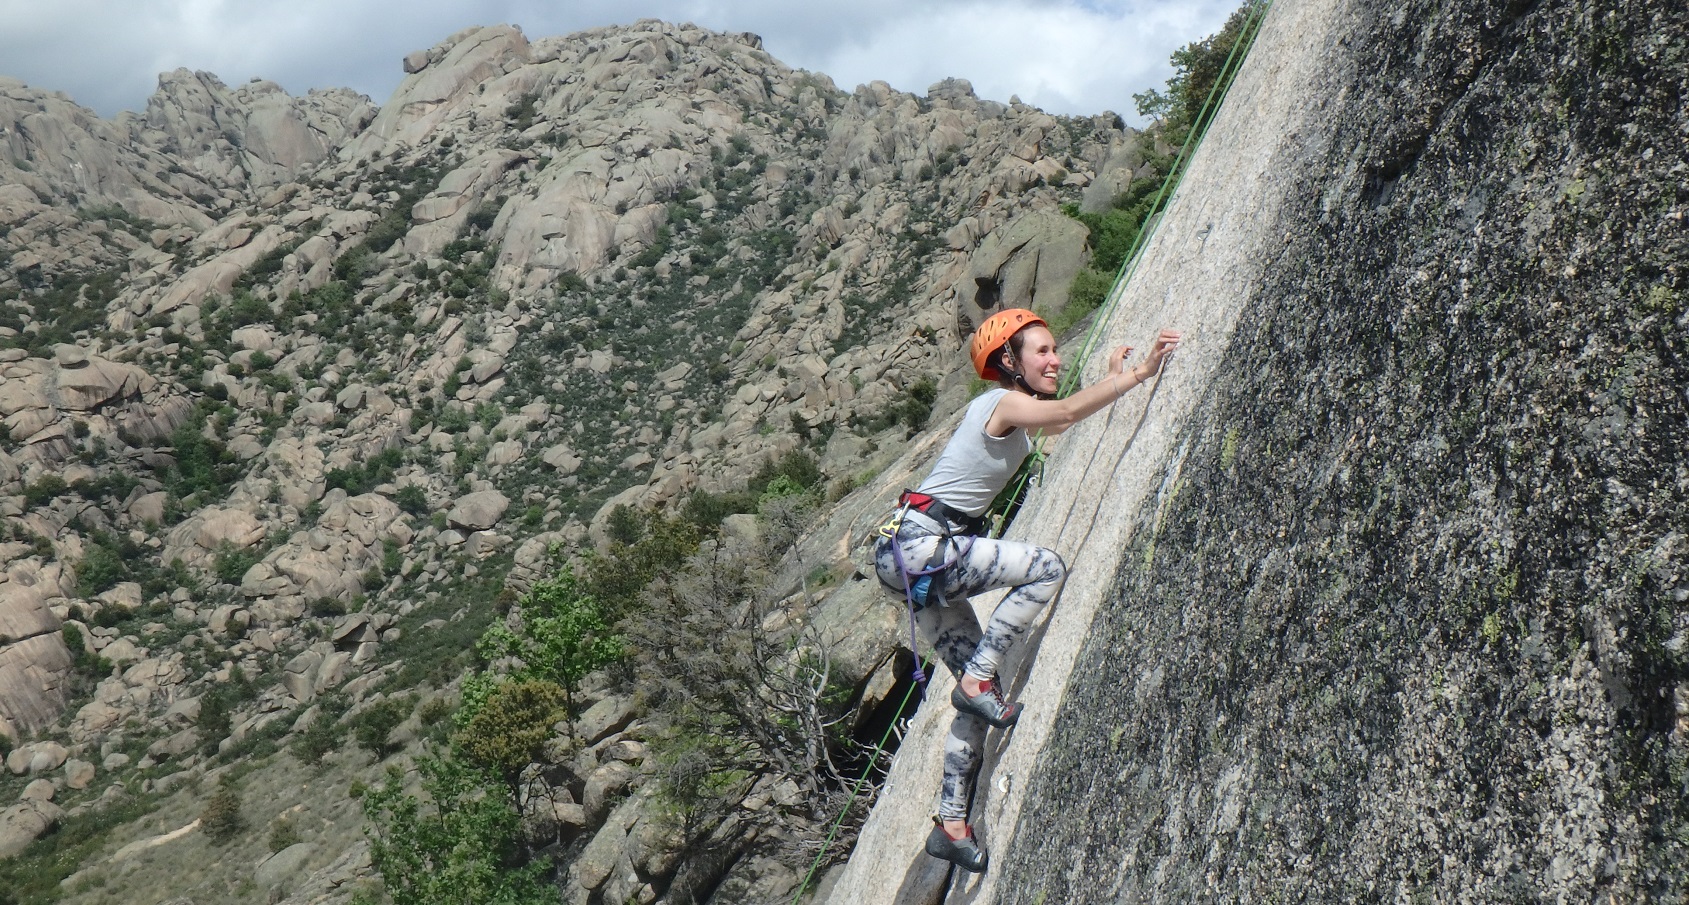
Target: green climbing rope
x: 1128, y: 266
x: 856, y: 789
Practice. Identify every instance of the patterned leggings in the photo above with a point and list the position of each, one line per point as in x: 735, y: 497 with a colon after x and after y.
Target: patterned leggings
x: 1036, y: 574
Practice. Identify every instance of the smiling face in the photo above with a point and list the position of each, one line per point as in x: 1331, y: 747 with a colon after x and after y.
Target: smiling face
x: 1037, y: 359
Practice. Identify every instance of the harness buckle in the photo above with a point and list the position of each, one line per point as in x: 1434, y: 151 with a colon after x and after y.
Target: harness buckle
x: 894, y: 524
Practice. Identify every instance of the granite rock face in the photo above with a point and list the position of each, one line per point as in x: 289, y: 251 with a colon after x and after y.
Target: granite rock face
x: 34, y: 662
x: 1407, y: 618
x: 252, y: 136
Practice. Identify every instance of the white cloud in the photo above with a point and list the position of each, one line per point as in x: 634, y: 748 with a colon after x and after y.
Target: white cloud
x: 1061, y: 57
x: 1067, y: 56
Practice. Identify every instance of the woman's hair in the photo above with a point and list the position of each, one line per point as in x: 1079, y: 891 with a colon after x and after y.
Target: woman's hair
x: 1006, y: 375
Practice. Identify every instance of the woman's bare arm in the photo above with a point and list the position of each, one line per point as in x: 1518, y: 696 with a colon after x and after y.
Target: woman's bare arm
x: 1056, y: 415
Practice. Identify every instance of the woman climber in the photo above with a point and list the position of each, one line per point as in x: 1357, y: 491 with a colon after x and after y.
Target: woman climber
x: 931, y: 552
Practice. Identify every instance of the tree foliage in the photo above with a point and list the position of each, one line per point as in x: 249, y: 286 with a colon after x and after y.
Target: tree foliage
x: 457, y: 842
x: 1197, y: 68
x: 763, y: 701
x: 221, y: 820
x: 618, y: 578
x: 511, y: 727
x: 372, y: 725
x: 560, y: 635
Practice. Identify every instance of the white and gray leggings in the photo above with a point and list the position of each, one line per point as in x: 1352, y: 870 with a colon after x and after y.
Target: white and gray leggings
x: 1035, y: 573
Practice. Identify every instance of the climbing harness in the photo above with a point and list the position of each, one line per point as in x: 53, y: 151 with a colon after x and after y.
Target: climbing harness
x: 1128, y: 266
x: 917, y: 583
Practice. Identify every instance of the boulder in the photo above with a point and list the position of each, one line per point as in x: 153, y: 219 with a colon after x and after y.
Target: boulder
x: 217, y: 526
x: 504, y: 452
x: 283, y: 868
x: 121, y: 652
x: 96, y: 381
x: 562, y: 458
x: 79, y: 774
x: 258, y: 338
x: 1031, y: 260
x: 35, y: 665
x: 46, y: 757
x: 25, y: 822
x: 149, y: 507
x: 478, y: 511
x: 39, y: 790
x: 332, y: 671
x: 606, y: 853
x: 603, y: 787
x: 95, y: 718
x: 37, y: 758
x: 612, y: 714
x: 175, y: 745
x: 299, y: 677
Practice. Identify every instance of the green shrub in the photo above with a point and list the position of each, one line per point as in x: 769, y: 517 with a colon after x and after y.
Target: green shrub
x: 202, y: 467
x: 231, y: 564
x: 1089, y: 290
x: 100, y: 569
x: 216, y: 718
x: 799, y: 465
x: 372, y: 726
x: 412, y: 499
x: 706, y: 510
x: 389, y: 229
x: 484, y: 214
x: 284, y: 833
x: 459, y: 842
x: 83, y: 660
x: 625, y: 525
x: 916, y: 405
x: 246, y: 309
x: 355, y: 265
x: 521, y: 111
x: 780, y: 488
x: 570, y: 281
x: 44, y: 490
x: 565, y: 635
x: 509, y: 730
x: 325, y: 731
x: 221, y: 820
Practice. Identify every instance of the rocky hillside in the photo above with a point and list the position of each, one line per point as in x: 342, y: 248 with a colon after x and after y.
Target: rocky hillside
x: 299, y: 393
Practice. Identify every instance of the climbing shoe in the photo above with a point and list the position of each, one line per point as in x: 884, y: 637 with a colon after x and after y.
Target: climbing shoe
x: 988, y: 705
x: 964, y: 852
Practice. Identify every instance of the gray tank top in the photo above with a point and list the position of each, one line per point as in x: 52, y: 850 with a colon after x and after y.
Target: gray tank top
x: 975, y: 466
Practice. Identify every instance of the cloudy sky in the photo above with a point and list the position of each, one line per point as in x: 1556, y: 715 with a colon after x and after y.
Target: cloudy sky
x: 1066, y: 56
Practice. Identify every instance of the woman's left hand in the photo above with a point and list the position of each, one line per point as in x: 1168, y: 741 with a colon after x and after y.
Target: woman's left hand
x: 1165, y: 343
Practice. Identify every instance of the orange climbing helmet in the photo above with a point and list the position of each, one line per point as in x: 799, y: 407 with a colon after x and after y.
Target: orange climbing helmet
x: 996, y: 331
